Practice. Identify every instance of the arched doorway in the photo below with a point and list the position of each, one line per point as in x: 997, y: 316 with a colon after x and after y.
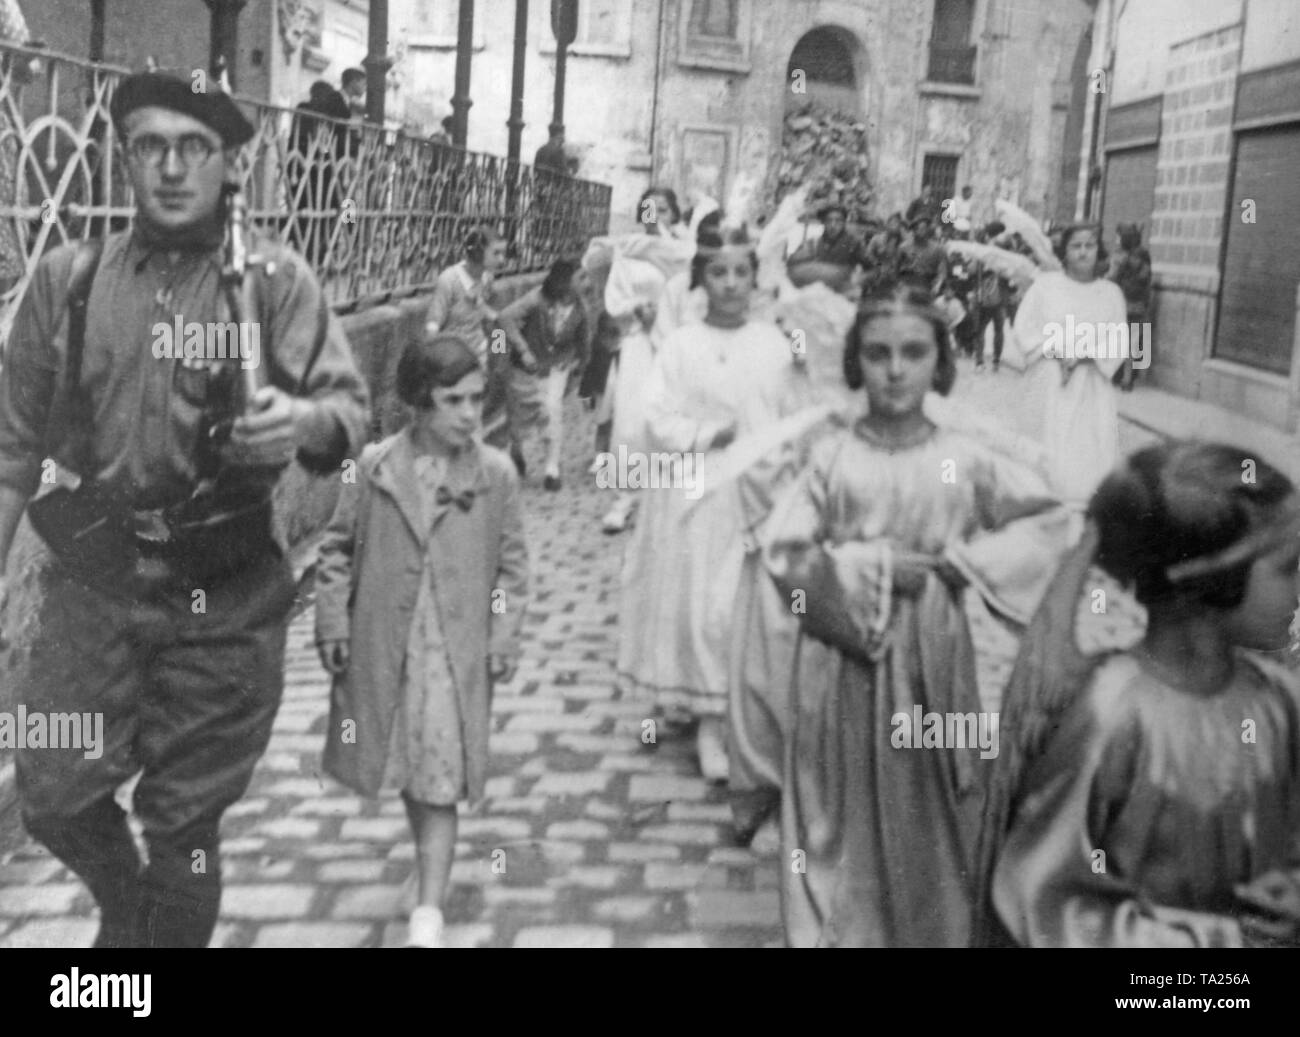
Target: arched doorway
x: 828, y: 58
x: 825, y: 129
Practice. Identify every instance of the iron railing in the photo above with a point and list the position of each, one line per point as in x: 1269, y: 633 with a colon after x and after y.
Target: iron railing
x: 952, y: 65
x: 377, y: 212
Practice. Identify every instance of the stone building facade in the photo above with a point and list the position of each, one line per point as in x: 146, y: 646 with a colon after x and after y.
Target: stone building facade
x: 1200, y: 143
x: 692, y: 93
x: 283, y: 45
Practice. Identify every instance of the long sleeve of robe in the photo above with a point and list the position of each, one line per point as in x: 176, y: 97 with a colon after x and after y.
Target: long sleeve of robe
x: 888, y: 831
x: 1148, y: 806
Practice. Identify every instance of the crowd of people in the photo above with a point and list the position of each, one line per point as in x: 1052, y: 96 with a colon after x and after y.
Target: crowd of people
x: 794, y: 594
x: 810, y: 596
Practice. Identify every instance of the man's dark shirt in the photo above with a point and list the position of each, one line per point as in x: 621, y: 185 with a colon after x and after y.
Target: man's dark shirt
x: 845, y: 250
x: 921, y: 264
x: 551, y: 156
x: 921, y: 207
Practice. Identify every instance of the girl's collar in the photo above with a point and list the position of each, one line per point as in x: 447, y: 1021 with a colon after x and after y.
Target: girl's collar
x: 465, y: 466
x: 891, y: 445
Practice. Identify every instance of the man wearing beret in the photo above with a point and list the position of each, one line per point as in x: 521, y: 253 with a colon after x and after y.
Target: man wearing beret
x: 838, y: 244
x: 180, y: 649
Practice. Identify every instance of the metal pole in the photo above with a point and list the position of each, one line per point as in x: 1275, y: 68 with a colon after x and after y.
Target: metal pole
x: 376, y: 62
x: 516, y: 121
x: 557, y: 111
x: 460, y: 102
x: 223, y: 36
x: 96, y: 30
x: 564, y: 24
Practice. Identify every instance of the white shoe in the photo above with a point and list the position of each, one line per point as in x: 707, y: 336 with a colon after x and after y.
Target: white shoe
x: 767, y: 840
x: 615, y: 520
x: 425, y: 929
x: 711, y: 746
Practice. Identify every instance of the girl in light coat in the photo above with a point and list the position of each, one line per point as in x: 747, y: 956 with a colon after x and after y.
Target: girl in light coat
x: 421, y: 584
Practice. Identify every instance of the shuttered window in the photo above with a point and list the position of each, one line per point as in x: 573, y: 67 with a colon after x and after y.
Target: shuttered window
x: 1130, y: 191
x: 941, y: 172
x: 1261, y: 266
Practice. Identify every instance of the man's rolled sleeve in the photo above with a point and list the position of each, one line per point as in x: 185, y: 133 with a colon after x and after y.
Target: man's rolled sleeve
x: 28, y: 379
x: 335, y: 386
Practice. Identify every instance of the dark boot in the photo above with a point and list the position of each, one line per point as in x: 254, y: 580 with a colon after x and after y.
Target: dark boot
x: 96, y: 845
x: 180, y: 891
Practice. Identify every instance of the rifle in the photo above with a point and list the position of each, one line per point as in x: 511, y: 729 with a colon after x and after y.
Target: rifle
x: 225, y: 493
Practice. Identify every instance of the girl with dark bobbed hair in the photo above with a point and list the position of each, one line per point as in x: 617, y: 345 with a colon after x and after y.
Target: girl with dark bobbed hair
x: 1162, y: 806
x: 426, y: 539
x: 895, y: 296
x: 875, y: 541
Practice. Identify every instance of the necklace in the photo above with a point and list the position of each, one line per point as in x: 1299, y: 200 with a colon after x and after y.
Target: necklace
x: 895, y: 443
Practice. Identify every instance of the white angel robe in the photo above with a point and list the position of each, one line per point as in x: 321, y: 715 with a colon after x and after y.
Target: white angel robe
x: 1080, y: 417
x: 683, y: 565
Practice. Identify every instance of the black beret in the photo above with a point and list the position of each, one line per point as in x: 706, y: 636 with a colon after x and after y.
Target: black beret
x: 213, y: 108
x: 826, y: 210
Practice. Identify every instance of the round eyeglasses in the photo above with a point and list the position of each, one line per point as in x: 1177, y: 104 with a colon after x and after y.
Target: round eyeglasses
x: 151, y: 149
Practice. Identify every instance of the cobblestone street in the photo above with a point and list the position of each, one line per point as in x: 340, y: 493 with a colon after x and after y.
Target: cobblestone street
x: 587, y: 837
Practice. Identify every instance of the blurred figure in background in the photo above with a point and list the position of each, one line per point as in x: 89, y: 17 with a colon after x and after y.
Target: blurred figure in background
x: 549, y: 335
x: 1131, y: 270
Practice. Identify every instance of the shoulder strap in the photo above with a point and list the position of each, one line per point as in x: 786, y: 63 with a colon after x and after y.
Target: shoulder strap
x: 85, y: 264
x: 67, y: 414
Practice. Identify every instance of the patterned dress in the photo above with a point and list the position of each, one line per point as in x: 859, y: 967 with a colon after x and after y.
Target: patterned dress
x: 426, y: 757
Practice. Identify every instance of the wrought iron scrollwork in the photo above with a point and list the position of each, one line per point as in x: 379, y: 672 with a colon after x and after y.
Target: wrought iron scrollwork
x: 375, y: 212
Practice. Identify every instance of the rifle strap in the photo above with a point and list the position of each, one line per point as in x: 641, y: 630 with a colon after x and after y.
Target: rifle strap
x: 70, y: 413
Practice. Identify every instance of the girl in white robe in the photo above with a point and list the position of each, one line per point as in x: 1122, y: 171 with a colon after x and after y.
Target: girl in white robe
x: 712, y: 383
x: 1072, y: 327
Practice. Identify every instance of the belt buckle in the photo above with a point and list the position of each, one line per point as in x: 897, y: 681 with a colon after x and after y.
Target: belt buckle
x: 151, y: 528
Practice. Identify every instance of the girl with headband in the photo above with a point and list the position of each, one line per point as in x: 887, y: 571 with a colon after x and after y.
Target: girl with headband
x: 872, y: 546
x: 1153, y: 795
x: 712, y: 383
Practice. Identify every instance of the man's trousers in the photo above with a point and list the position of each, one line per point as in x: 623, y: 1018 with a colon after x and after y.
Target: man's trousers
x: 188, y: 679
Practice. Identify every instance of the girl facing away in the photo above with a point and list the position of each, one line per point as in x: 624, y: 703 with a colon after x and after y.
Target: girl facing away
x: 421, y: 585
x: 1164, y: 809
x: 871, y: 547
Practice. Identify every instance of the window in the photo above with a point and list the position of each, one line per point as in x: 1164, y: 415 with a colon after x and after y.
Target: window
x: 952, y: 56
x: 941, y: 172
x: 1261, y: 261
x: 436, y: 23
x: 824, y: 58
x: 1129, y: 195
x: 598, y: 22
x: 715, y: 34
x: 604, y: 30
x: 717, y: 18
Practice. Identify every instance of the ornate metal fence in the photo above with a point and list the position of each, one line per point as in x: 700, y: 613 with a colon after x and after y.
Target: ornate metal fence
x: 377, y: 213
